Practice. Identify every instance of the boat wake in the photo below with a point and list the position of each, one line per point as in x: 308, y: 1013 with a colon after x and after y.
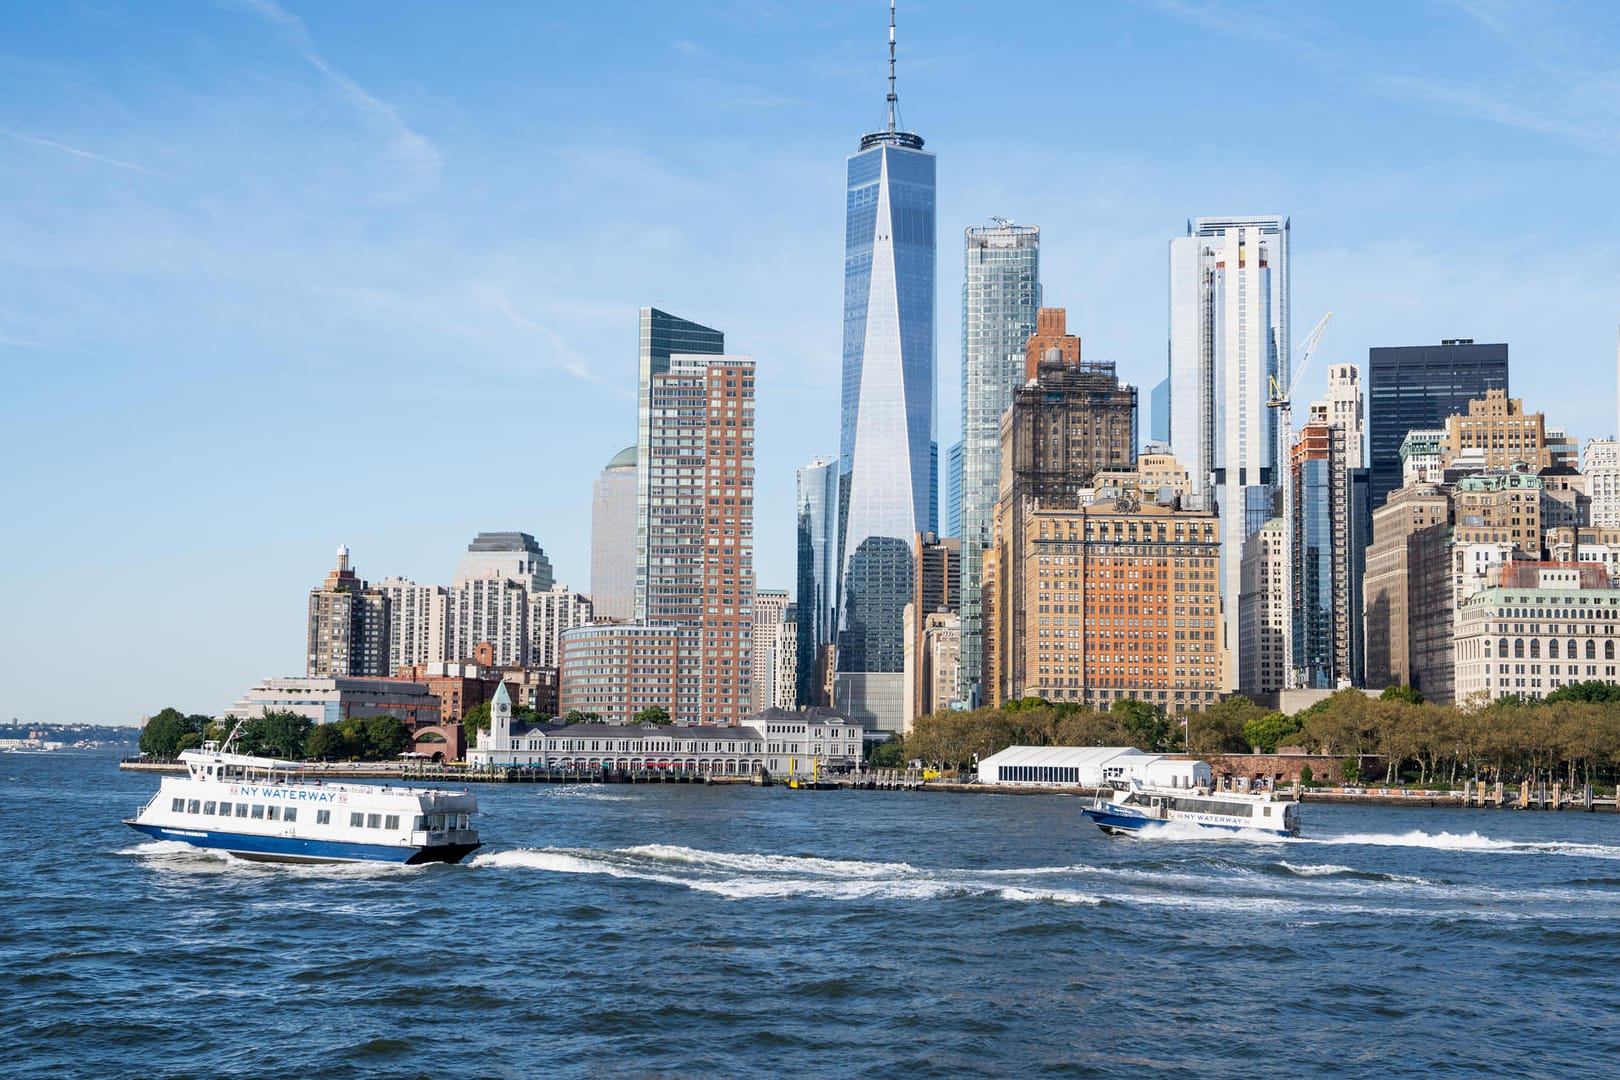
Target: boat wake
x: 742, y: 876
x: 1469, y: 842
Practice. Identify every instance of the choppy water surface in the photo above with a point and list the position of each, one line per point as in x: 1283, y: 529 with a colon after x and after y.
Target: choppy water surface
x: 726, y: 931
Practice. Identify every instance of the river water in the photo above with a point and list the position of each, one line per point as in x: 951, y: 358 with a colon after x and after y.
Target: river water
x: 729, y: 931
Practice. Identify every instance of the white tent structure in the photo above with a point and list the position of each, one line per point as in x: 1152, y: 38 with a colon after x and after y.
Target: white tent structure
x: 1089, y: 767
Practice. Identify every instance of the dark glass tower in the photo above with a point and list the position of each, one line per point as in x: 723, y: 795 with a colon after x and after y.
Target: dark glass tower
x: 1418, y: 386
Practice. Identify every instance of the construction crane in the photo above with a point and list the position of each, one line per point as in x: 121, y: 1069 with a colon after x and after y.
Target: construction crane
x: 1281, y: 400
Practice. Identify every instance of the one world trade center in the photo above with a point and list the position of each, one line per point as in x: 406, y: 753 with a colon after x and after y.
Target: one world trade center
x: 888, y: 457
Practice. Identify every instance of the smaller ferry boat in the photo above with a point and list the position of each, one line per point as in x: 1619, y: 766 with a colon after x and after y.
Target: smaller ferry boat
x: 273, y: 811
x: 1137, y: 806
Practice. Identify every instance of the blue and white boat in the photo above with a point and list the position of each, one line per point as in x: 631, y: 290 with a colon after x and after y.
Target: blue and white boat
x: 1135, y: 807
x: 273, y: 811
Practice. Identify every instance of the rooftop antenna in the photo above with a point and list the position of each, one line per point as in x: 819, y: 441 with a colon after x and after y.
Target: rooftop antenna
x: 893, y: 98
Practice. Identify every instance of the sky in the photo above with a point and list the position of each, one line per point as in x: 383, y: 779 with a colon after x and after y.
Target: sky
x: 279, y: 276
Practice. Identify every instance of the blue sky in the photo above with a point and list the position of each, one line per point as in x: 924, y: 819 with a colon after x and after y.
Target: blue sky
x: 275, y: 277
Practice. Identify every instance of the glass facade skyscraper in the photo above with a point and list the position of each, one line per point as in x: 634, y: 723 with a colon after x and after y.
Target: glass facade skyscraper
x: 662, y: 335
x: 1001, y: 295
x: 1418, y: 386
x: 817, y: 573
x: 888, y: 456
x: 1228, y: 335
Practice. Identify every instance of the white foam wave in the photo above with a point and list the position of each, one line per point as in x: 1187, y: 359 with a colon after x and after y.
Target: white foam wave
x: 1473, y: 841
x: 762, y: 863
x: 748, y: 877
x: 1323, y: 870
x: 1186, y: 830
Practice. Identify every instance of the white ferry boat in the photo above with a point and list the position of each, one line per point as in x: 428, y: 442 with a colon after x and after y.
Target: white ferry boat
x: 1138, y: 806
x: 272, y: 811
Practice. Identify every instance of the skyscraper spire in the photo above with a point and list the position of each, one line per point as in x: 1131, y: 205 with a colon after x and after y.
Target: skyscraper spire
x: 893, y: 98
x: 890, y: 133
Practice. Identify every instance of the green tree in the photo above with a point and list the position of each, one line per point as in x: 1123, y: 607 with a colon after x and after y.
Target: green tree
x: 1147, y: 726
x: 1592, y: 691
x: 579, y: 716
x: 1220, y: 729
x: 1266, y: 733
x: 652, y: 714
x: 163, y: 735
x: 326, y: 743
x: 278, y: 733
x: 1401, y: 693
x: 1350, y: 769
x: 474, y: 720
x: 889, y: 755
x: 386, y: 737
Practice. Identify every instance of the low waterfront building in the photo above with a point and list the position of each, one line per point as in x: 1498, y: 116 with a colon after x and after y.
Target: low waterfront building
x: 1542, y: 626
x: 617, y: 669
x: 777, y: 741
x: 333, y: 698
x: 1088, y: 766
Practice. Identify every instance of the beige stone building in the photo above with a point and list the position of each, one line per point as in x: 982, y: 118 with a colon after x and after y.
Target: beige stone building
x: 1409, y: 531
x: 1104, y: 602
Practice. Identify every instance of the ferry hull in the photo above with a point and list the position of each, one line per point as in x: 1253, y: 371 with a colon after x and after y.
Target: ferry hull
x: 1115, y: 823
x: 292, y: 849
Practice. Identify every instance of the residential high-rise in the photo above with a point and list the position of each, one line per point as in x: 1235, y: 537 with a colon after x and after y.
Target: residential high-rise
x: 512, y: 555
x: 551, y: 612
x: 1229, y: 327
x: 1001, y: 296
x: 488, y: 602
x: 817, y: 607
x: 700, y: 528
x: 348, y: 625
x: 417, y: 628
x: 888, y: 486
x: 662, y: 335
x: 1263, y: 608
x: 770, y: 638
x: 1416, y: 387
x: 613, y: 539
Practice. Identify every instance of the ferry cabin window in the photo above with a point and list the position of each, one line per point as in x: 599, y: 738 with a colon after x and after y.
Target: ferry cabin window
x: 208, y: 808
x: 241, y: 809
x: 357, y: 820
x: 258, y: 810
x: 272, y: 812
x: 373, y: 821
x: 224, y: 809
x: 194, y: 806
x: 323, y: 817
x: 418, y: 823
x: 391, y: 821
x: 178, y: 806
x: 290, y: 814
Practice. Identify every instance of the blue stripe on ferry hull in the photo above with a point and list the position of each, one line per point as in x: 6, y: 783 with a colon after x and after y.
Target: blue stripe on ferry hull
x: 292, y: 849
x: 1123, y: 823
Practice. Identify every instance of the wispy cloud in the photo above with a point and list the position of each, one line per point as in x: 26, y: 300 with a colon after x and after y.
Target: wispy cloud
x: 1545, y: 85
x: 414, y: 151
x: 77, y: 152
x: 558, y: 353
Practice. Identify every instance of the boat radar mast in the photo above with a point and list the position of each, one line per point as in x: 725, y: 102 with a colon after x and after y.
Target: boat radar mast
x: 893, y: 136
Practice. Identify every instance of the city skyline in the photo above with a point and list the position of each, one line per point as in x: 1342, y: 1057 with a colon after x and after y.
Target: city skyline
x: 293, y: 212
